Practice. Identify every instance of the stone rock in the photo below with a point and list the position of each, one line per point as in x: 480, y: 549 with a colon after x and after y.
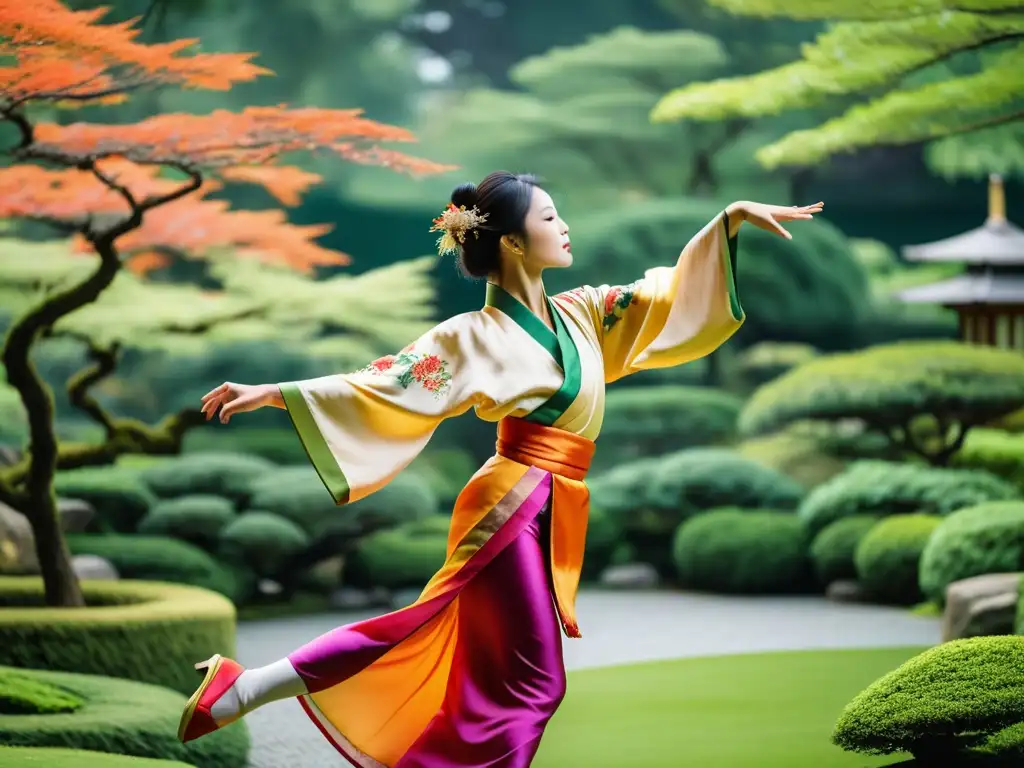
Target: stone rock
x: 94, y: 567
x: 630, y: 576
x: 17, y: 545
x: 981, y: 605
x: 845, y: 591
x: 75, y: 514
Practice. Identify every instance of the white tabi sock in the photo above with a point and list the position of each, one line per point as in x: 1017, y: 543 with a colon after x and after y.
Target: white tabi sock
x: 256, y: 687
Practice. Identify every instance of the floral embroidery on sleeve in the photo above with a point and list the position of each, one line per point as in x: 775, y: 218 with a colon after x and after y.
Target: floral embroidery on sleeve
x: 616, y: 301
x: 429, y: 371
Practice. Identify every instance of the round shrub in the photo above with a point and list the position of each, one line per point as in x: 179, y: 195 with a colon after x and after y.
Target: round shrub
x: 832, y: 550
x: 987, y: 538
x: 767, y: 360
x: 159, y: 558
x: 121, y: 717
x: 47, y: 757
x: 152, y: 633
x: 196, y: 519
x: 278, y: 445
x: 805, y: 458
x: 603, y: 538
x: 445, y: 471
x: 25, y: 695
x: 890, y: 488
x: 400, y: 558
x: 995, y: 451
x: 947, y: 695
x: 888, y: 557
x: 742, y: 551
x: 218, y: 474
x: 262, y: 541
x: 119, y: 496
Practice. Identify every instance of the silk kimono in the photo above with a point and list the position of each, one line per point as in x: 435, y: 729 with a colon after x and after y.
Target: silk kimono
x: 545, y: 389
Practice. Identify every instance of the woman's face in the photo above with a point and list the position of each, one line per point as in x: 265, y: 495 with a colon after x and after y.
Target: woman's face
x: 547, y: 236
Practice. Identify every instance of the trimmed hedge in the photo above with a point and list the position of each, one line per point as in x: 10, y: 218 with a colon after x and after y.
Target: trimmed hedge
x: 890, y: 488
x: 400, y: 558
x: 159, y: 558
x: 217, y: 474
x: 743, y: 551
x: 42, y: 757
x: 262, y: 541
x: 946, y: 699
x: 888, y: 557
x: 24, y: 695
x: 833, y: 550
x: 149, y: 632
x: 197, y: 519
x: 120, y: 497
x: 995, y: 451
x: 767, y: 360
x: 987, y: 538
x: 121, y: 717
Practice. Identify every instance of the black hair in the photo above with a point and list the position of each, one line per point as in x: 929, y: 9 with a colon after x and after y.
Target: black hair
x: 505, y: 198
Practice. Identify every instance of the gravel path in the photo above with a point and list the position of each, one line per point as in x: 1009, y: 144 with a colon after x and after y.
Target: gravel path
x: 618, y: 628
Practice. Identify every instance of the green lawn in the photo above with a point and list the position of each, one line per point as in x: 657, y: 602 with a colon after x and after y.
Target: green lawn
x: 769, y: 710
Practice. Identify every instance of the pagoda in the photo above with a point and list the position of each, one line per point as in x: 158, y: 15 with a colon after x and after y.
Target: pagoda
x: 989, y: 296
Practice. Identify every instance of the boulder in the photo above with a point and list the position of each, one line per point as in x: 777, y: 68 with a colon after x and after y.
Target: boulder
x: 94, y: 567
x: 17, y: 545
x: 75, y: 515
x: 981, y: 605
x: 845, y: 591
x: 630, y: 576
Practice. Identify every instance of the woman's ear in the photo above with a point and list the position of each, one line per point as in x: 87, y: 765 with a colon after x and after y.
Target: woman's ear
x: 512, y: 243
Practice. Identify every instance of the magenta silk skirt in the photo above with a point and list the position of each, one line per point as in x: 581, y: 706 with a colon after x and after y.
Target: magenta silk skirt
x: 507, y: 677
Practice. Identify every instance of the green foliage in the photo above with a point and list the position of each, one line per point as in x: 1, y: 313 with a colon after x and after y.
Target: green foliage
x: 275, y: 444
x: 833, y: 549
x: 603, y: 543
x: 262, y: 541
x: 196, y: 519
x: 995, y: 451
x: 403, y: 557
x: 25, y: 695
x: 218, y: 474
x: 121, y: 717
x: 120, y: 497
x: 45, y: 757
x: 742, y: 551
x: 888, y: 556
x: 445, y: 471
x: 153, y: 633
x: 981, y: 539
x: 13, y: 421
x: 806, y: 458
x: 950, y: 696
x: 159, y: 558
x: 768, y: 360
x: 977, y: 154
x: 889, y: 488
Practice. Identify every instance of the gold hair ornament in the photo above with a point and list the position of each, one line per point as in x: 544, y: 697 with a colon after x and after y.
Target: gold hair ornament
x: 455, y: 222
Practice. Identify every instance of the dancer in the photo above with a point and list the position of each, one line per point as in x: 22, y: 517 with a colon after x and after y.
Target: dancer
x: 471, y: 673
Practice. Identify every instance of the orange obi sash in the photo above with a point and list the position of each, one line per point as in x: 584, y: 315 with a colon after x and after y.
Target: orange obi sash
x: 567, y: 457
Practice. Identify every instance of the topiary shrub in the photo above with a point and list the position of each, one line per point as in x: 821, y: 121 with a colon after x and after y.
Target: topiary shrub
x: 153, y: 633
x: 890, y: 488
x: 26, y: 695
x: 603, y: 538
x: 987, y: 538
x: 229, y: 475
x: 45, y: 757
x: 400, y: 558
x: 445, y: 471
x: 945, y: 701
x: 743, y: 551
x: 803, y: 457
x: 121, y: 717
x: 159, y: 558
x: 888, y: 557
x: 832, y: 551
x: 767, y: 360
x: 995, y: 451
x: 195, y: 519
x: 120, y: 497
x: 280, y: 446
x: 262, y: 542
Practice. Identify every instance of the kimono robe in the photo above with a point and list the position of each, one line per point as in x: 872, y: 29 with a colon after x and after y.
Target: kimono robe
x: 379, y: 688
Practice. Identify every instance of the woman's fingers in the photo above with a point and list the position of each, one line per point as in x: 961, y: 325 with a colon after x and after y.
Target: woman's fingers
x: 214, y: 392
x: 238, y: 405
x: 780, y: 229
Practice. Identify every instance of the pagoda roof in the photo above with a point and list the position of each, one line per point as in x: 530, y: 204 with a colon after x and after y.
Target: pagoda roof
x: 969, y: 289
x: 997, y: 242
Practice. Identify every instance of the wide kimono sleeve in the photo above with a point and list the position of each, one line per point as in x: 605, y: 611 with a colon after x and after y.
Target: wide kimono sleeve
x: 361, y: 429
x: 673, y: 314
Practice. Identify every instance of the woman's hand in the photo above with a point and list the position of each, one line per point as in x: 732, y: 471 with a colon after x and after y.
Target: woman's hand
x: 768, y: 217
x: 240, y: 398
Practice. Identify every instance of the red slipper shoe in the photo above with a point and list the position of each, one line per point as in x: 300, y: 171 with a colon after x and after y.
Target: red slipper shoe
x: 196, y: 720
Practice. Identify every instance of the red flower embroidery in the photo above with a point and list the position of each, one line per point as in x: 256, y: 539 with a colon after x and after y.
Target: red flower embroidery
x: 407, y: 367
x: 432, y: 385
x: 383, y: 363
x: 616, y: 301
x: 428, y: 365
x: 610, y: 299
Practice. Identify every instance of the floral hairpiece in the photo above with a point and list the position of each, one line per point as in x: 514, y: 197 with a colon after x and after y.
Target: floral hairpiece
x: 455, y: 222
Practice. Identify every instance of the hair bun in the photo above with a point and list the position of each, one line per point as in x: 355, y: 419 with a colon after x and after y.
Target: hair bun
x: 465, y: 194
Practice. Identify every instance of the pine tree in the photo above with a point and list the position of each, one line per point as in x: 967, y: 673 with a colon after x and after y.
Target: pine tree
x: 104, y: 183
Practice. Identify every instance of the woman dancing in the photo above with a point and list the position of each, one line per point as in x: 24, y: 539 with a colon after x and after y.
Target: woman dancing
x: 471, y: 673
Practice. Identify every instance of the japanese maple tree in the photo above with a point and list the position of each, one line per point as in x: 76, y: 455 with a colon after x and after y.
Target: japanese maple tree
x: 109, y: 185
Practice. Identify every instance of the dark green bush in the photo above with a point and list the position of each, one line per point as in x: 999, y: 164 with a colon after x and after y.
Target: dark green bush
x: 888, y: 557
x: 890, y: 488
x: 25, y: 695
x: 196, y: 519
x: 743, y: 551
x: 153, y: 633
x: 767, y: 360
x: 159, y: 558
x: 445, y: 471
x: 280, y: 446
x: 400, y: 558
x: 832, y: 550
x: 262, y: 541
x: 121, y: 717
x: 995, y: 451
x: 603, y: 537
x: 987, y: 538
x: 940, y: 702
x: 48, y: 757
x: 229, y: 475
x: 120, y: 497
